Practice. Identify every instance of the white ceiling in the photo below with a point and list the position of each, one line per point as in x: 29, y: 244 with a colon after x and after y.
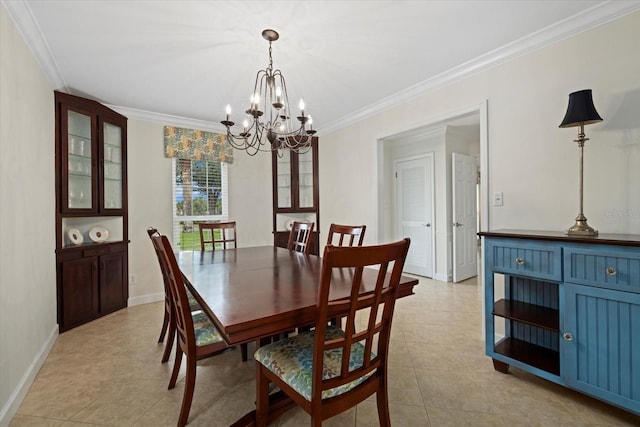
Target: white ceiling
x: 346, y: 59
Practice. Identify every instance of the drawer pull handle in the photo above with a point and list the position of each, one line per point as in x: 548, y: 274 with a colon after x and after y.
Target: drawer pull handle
x: 611, y: 271
x: 519, y: 261
x: 567, y: 336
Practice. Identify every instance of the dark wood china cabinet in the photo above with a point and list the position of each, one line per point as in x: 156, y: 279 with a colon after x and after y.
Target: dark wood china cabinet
x: 91, y: 210
x: 295, y: 193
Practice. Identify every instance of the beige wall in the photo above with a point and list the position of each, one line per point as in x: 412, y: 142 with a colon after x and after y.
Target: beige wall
x: 27, y: 217
x: 531, y: 160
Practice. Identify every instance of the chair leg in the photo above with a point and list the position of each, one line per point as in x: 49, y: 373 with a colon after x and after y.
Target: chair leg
x: 189, y: 387
x: 382, y: 399
x: 245, y: 352
x: 262, y: 397
x: 170, y: 339
x: 176, y: 367
x: 165, y: 323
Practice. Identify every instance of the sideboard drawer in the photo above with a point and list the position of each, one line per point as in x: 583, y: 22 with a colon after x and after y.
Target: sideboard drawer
x: 535, y: 260
x: 612, y: 268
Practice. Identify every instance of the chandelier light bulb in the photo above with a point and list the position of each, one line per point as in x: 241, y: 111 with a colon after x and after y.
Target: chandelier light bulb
x: 245, y: 124
x: 301, y: 105
x: 255, y: 101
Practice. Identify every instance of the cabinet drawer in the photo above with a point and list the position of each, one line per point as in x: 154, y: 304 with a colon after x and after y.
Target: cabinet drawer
x: 535, y: 260
x: 605, y: 268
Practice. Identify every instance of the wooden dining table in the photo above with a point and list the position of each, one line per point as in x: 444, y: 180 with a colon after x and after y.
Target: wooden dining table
x: 257, y: 292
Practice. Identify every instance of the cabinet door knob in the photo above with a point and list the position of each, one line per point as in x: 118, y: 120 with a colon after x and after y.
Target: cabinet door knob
x: 519, y: 261
x: 611, y: 271
x: 427, y: 224
x: 567, y: 336
x: 457, y: 224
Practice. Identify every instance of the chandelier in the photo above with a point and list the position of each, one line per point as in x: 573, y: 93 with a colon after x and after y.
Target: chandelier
x: 268, y: 115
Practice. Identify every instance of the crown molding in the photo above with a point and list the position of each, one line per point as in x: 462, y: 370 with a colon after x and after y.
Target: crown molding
x: 20, y: 13
x: 168, y: 119
x: 590, y: 18
x: 27, y: 25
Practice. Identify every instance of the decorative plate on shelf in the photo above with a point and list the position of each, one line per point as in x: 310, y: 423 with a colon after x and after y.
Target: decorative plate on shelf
x: 99, y: 234
x: 75, y: 236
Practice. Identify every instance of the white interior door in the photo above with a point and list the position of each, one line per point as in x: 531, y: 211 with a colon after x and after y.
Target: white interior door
x: 465, y: 213
x: 414, y: 211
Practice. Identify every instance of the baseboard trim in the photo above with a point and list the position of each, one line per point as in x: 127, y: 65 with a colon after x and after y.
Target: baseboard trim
x: 145, y: 299
x: 11, y: 407
x: 441, y: 277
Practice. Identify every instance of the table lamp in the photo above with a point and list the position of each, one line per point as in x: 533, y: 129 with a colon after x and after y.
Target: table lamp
x: 581, y: 112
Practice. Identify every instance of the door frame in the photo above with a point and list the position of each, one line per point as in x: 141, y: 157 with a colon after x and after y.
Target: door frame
x: 396, y: 224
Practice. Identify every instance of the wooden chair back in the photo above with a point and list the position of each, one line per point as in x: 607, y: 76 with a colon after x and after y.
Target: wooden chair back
x: 167, y: 320
x: 380, y: 305
x: 209, y: 235
x: 346, y: 235
x: 178, y: 294
x: 300, y: 236
x: 357, y: 366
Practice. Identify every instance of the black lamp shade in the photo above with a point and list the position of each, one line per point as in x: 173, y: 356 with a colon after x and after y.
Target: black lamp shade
x: 580, y: 110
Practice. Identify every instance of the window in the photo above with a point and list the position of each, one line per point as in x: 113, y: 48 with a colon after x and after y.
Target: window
x: 199, y: 195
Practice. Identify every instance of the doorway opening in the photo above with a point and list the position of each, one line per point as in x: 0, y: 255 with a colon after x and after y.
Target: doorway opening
x: 460, y: 194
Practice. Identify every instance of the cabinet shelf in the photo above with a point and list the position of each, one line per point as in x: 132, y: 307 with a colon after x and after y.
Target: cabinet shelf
x: 531, y: 354
x: 530, y: 314
x: 79, y: 175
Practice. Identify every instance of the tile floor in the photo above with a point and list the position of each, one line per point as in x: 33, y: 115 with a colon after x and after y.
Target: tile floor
x: 108, y: 372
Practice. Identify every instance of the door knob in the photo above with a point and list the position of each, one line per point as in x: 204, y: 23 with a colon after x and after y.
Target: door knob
x: 567, y: 336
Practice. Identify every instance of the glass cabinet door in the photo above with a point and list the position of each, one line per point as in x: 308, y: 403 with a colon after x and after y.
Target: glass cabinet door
x: 79, y: 161
x: 305, y: 179
x: 283, y: 177
x: 112, y: 166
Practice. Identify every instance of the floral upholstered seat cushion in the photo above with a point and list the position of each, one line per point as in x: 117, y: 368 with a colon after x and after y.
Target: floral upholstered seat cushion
x: 193, y: 303
x: 205, y: 330
x: 291, y: 360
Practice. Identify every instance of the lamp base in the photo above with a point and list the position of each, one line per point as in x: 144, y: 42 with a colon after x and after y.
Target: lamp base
x: 581, y: 228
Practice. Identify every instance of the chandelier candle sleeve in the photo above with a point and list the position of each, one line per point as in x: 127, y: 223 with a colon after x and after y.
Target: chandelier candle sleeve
x: 267, y: 126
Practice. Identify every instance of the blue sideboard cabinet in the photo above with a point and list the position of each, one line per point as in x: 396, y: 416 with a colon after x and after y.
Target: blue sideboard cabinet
x: 566, y: 309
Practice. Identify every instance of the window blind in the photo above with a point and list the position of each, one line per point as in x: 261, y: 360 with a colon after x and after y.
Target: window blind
x: 200, y: 194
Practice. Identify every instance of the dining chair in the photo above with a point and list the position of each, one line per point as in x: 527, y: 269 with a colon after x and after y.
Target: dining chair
x: 328, y: 370
x: 209, y: 235
x: 197, y: 336
x: 346, y: 235
x: 300, y: 236
x: 169, y: 321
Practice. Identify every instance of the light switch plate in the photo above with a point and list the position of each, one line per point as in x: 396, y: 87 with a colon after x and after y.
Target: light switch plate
x: 497, y: 198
